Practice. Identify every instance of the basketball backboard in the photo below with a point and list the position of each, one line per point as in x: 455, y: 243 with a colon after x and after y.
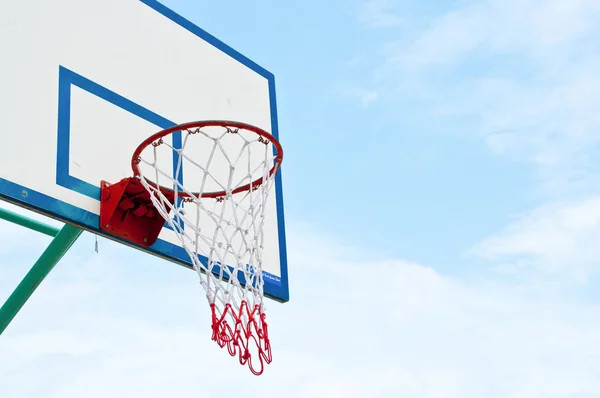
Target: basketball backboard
x: 84, y: 82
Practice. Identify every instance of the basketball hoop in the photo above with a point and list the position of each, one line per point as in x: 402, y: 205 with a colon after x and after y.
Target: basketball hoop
x: 218, y: 217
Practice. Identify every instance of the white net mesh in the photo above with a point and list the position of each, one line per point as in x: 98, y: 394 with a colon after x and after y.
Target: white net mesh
x: 222, y: 235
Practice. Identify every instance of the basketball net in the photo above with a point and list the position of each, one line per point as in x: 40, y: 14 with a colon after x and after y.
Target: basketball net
x: 222, y: 235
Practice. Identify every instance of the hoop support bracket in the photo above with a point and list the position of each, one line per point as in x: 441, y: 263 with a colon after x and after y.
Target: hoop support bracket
x: 127, y: 212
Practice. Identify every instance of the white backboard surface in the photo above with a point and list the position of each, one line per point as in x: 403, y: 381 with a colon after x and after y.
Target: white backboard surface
x: 84, y: 82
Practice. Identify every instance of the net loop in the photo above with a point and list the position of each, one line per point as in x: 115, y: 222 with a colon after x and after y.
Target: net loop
x: 243, y: 334
x: 215, y: 203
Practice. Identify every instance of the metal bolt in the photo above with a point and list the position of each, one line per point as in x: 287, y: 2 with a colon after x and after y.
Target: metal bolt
x: 24, y: 193
x: 145, y: 240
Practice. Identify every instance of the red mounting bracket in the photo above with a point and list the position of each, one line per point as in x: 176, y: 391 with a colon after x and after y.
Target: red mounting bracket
x: 127, y: 212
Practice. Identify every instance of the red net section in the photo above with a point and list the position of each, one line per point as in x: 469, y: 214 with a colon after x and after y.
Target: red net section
x: 249, y: 331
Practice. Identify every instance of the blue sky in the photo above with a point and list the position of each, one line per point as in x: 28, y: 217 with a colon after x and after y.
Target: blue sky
x: 417, y: 130
x: 443, y: 211
x: 368, y: 160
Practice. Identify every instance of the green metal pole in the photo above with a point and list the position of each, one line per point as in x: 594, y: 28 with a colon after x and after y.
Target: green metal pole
x: 28, y: 222
x: 42, y: 267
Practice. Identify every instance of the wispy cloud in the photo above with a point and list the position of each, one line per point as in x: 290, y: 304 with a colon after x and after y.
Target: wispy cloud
x: 368, y: 328
x: 560, y: 239
x: 366, y: 97
x: 528, y: 70
x: 524, y: 77
x: 379, y: 13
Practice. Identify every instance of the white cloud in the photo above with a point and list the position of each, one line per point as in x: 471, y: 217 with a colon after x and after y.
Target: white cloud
x: 534, y: 28
x: 369, y: 97
x: 365, y: 96
x: 522, y: 75
x: 356, y: 327
x: 560, y: 238
x: 379, y: 13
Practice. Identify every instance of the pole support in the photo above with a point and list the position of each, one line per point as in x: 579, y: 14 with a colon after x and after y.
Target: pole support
x: 61, y: 243
x: 27, y: 222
